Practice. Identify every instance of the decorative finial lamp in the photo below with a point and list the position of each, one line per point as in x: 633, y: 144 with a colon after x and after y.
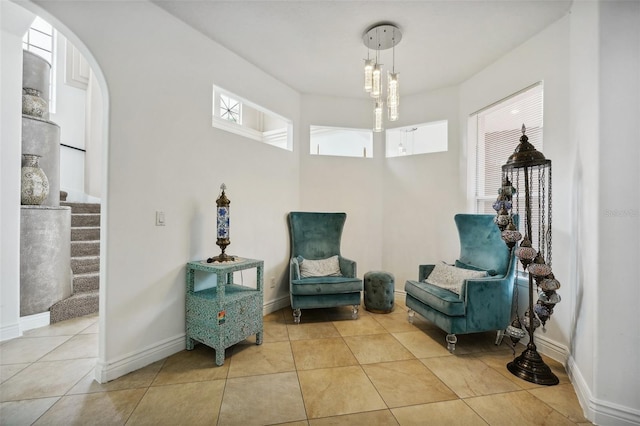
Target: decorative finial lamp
x: 222, y: 227
x: 529, y: 166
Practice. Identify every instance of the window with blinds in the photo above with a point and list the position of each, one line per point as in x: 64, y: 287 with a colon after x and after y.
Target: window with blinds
x: 497, y: 130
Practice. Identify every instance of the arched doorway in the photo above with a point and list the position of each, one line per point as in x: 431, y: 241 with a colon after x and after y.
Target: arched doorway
x: 11, y: 321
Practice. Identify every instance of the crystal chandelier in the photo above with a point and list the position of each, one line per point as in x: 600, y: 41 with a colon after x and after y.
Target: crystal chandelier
x: 381, y: 37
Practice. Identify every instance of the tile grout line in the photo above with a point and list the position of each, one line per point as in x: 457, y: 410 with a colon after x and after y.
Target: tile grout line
x: 481, y: 356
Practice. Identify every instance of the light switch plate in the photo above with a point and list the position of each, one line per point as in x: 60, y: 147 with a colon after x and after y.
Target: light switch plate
x: 160, y: 218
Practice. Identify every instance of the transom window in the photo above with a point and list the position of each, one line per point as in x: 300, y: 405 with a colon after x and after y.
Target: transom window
x: 417, y: 139
x: 230, y: 109
x: 234, y: 114
x: 340, y: 141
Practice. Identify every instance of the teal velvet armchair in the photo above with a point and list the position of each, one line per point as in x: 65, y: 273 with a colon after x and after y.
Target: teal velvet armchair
x: 319, y: 276
x: 483, y: 300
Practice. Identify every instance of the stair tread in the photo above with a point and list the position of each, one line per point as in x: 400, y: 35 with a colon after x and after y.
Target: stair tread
x: 83, y: 283
x: 82, y: 295
x: 85, y: 233
x: 82, y: 207
x: 74, y: 203
x: 81, y: 202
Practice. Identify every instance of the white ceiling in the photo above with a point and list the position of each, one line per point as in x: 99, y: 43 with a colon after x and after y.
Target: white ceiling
x: 316, y: 46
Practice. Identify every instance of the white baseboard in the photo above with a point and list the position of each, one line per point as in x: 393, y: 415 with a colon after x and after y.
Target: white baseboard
x: 10, y: 331
x: 276, y: 305
x: 598, y: 411
x: 35, y: 321
x: 110, y: 370
x: 550, y: 348
x: 29, y: 322
x: 582, y: 389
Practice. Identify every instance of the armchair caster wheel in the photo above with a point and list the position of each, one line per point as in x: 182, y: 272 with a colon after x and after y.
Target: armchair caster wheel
x: 499, y: 337
x: 410, y: 316
x: 296, y: 316
x: 354, y: 312
x: 451, y: 342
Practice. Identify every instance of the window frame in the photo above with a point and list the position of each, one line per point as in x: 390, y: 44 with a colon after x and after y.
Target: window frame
x: 474, y: 198
x: 37, y: 50
x: 416, y: 128
x: 227, y: 109
x: 280, y: 138
x: 315, y: 129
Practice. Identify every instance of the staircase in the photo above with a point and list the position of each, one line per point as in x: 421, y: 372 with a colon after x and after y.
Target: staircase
x: 85, y: 263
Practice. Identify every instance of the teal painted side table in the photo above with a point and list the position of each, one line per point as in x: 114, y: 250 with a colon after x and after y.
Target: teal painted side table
x: 220, y: 313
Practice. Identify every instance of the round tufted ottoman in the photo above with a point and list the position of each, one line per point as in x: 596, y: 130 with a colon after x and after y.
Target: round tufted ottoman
x: 378, y: 292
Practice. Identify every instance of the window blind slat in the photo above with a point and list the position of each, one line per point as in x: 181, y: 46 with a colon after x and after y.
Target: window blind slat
x: 498, y: 135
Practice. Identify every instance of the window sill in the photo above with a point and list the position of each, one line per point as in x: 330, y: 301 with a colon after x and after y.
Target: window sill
x: 238, y: 129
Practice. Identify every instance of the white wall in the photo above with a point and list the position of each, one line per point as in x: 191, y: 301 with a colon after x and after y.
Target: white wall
x: 399, y: 210
x: 94, y: 139
x: 164, y: 155
x: 617, y: 373
x: 70, y: 116
x: 584, y: 131
x: 14, y: 23
x: 605, y: 88
x: 422, y: 192
x: 344, y: 184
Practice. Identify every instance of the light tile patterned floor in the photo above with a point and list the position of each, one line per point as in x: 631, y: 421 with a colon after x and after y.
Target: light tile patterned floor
x: 329, y: 370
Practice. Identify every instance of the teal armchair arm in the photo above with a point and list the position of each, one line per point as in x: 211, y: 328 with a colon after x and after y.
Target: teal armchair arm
x: 294, y: 269
x: 487, y: 302
x: 348, y: 267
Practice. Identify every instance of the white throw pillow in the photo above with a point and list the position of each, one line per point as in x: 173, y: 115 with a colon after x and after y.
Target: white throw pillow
x: 329, y: 267
x: 451, y: 278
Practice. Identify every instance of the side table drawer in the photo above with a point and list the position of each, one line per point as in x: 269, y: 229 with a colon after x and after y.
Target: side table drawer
x: 233, y: 322
x: 242, y: 318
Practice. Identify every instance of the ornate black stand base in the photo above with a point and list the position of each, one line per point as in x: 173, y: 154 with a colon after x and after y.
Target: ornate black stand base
x: 529, y: 366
